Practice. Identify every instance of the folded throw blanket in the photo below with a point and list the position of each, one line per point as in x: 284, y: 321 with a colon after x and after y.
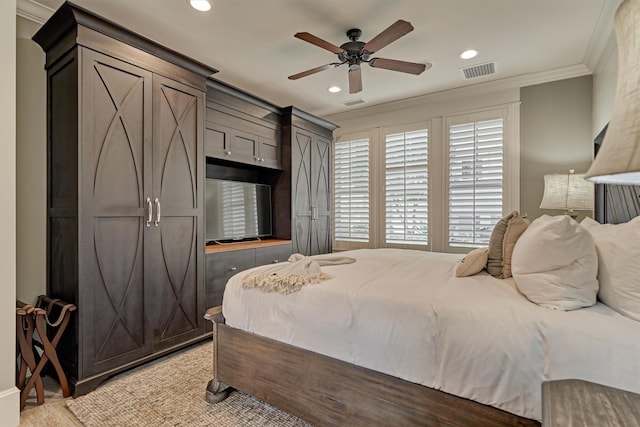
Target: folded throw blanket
x: 290, y: 276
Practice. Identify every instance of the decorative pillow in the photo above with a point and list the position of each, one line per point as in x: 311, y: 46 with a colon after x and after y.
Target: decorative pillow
x: 473, y: 262
x: 555, y: 264
x: 515, y: 227
x: 618, y: 248
x: 503, y: 240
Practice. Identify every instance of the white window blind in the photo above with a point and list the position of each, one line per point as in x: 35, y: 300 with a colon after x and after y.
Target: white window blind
x: 406, y: 188
x: 475, y: 181
x: 351, y: 190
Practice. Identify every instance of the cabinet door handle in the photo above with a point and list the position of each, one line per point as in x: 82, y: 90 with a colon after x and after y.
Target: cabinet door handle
x: 150, y: 210
x: 157, y: 221
x: 233, y: 268
x: 275, y: 261
x: 314, y: 213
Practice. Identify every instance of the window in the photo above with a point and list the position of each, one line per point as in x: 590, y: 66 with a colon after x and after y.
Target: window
x: 351, y: 190
x: 475, y: 181
x: 439, y: 184
x: 406, y: 189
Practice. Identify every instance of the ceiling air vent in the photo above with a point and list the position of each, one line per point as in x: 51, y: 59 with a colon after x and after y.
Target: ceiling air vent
x: 353, y: 102
x: 479, y: 70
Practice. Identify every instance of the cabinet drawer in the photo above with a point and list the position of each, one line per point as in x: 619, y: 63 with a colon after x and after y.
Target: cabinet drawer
x: 220, y: 267
x: 273, y: 254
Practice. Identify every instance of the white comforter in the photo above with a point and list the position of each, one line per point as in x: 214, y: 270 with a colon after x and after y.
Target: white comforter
x: 404, y: 313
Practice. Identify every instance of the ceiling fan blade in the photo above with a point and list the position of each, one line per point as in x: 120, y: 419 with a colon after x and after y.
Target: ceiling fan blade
x: 355, y: 80
x: 391, y: 34
x: 402, y: 66
x: 310, y: 38
x: 312, y: 71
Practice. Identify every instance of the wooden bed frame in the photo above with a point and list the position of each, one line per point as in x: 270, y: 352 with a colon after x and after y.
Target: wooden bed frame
x: 329, y: 392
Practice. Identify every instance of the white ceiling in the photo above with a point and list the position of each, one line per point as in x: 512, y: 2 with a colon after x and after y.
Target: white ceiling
x: 251, y: 42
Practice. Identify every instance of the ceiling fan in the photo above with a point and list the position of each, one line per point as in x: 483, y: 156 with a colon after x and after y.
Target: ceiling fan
x: 355, y: 52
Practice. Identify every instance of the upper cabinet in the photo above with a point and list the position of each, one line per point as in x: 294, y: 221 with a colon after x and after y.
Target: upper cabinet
x: 241, y: 128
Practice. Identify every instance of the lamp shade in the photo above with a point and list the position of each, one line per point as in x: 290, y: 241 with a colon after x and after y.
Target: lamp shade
x: 618, y: 160
x: 567, y: 191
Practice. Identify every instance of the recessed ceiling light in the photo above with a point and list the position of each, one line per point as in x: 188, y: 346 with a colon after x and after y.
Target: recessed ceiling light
x: 334, y: 89
x: 468, y: 54
x: 201, y: 5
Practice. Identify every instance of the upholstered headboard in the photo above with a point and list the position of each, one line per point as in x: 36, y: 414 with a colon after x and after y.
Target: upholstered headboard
x: 614, y: 203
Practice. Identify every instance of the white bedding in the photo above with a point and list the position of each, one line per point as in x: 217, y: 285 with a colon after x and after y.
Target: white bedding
x: 404, y: 313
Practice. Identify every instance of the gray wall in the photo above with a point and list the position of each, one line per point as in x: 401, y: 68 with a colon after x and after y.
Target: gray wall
x: 31, y: 171
x: 9, y: 394
x: 555, y: 136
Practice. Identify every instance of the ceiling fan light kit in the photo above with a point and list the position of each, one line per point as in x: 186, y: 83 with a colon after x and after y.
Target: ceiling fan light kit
x: 355, y: 52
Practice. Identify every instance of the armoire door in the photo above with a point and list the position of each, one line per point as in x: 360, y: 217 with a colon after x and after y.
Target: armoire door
x: 174, y: 261
x: 115, y: 148
x: 311, y: 193
x: 321, y: 195
x: 301, y: 178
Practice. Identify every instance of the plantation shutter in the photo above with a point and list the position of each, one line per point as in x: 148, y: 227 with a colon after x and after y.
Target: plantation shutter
x: 406, y: 188
x: 475, y: 181
x: 351, y: 190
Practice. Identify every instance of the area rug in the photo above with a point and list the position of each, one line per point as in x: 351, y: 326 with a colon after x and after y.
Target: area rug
x: 170, y: 392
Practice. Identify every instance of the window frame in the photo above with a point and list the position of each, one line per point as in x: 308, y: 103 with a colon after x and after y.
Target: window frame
x: 510, y: 154
x: 381, y: 206
x: 438, y: 178
x: 341, y: 245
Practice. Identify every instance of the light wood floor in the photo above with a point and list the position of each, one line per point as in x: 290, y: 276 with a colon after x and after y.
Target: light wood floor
x: 53, y: 412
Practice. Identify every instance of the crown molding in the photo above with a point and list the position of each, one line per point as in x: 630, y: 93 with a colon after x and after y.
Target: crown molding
x: 603, y: 34
x: 493, y: 86
x: 33, y: 11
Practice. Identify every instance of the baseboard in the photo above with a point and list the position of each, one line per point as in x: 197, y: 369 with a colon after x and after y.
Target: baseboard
x: 10, y: 406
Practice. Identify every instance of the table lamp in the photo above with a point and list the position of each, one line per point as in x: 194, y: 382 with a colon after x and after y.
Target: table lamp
x: 567, y: 191
x: 618, y: 160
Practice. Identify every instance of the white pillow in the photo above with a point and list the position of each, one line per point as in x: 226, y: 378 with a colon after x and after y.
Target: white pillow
x: 618, y: 247
x: 555, y: 264
x: 473, y: 262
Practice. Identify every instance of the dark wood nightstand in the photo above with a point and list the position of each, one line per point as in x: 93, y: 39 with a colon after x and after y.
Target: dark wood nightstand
x: 578, y: 403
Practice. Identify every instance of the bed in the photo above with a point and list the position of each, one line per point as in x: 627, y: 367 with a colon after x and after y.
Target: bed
x: 396, y: 339
x: 443, y: 333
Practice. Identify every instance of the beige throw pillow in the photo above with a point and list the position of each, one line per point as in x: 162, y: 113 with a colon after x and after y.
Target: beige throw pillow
x: 515, y: 227
x: 473, y: 263
x: 503, y: 239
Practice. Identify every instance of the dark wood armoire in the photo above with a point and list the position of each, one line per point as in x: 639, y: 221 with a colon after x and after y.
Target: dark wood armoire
x: 308, y: 140
x: 125, y: 194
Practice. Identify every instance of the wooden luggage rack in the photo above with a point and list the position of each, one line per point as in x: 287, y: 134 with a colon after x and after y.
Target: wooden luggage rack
x: 35, y: 354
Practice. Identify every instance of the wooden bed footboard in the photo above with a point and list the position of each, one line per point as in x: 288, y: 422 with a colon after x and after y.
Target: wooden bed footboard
x: 329, y: 392
x: 216, y: 391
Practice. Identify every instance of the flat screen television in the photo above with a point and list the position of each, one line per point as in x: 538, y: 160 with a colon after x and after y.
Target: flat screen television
x: 236, y: 210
